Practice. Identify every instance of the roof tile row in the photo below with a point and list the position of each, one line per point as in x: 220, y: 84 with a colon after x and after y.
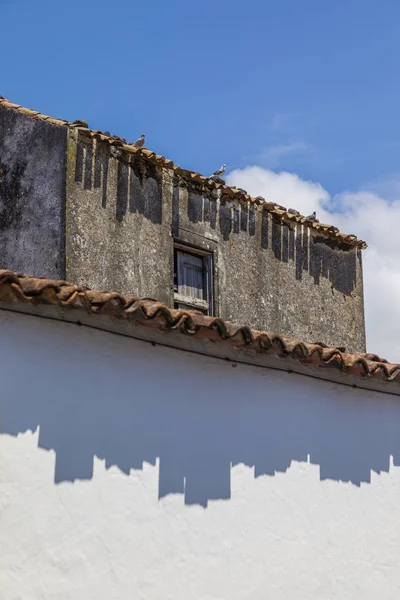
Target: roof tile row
x: 23, y: 289
x: 81, y: 126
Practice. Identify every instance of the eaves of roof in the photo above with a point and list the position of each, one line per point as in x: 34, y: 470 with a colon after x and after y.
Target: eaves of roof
x: 228, y: 192
x: 148, y: 319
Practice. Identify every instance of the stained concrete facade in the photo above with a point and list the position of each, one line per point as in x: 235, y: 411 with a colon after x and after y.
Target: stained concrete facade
x: 32, y: 195
x: 120, y: 216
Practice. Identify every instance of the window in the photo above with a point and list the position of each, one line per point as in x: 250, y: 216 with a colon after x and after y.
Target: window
x: 192, y: 279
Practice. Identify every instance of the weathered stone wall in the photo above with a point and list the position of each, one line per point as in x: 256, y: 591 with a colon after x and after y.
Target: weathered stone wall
x: 32, y: 194
x: 122, y: 220
x: 275, y: 278
x: 117, y: 223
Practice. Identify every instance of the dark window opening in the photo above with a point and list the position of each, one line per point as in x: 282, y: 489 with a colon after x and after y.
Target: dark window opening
x: 192, y: 279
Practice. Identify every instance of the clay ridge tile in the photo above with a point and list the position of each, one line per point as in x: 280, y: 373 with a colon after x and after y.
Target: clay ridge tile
x: 22, y: 289
x: 240, y: 195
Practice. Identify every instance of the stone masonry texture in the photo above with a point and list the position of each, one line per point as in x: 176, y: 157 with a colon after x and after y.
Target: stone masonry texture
x: 70, y: 208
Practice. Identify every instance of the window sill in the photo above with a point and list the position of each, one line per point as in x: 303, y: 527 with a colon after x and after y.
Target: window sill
x: 195, y: 303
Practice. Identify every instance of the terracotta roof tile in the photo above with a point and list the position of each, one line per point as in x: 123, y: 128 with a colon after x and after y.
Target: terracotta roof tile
x: 240, y: 195
x: 24, y: 289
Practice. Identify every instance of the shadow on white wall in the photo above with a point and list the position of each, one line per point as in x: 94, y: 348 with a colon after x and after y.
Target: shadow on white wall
x: 96, y: 394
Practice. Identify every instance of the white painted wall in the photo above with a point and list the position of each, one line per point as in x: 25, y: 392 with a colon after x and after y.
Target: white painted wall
x: 132, y: 471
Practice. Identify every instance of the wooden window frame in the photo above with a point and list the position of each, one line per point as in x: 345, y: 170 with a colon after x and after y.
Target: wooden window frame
x: 207, y: 305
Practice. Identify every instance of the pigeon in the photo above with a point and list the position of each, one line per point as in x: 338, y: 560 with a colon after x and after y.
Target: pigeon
x: 312, y: 217
x: 219, y: 172
x: 140, y: 142
x: 292, y: 211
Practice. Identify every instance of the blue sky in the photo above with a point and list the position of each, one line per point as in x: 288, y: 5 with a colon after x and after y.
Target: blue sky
x: 309, y: 86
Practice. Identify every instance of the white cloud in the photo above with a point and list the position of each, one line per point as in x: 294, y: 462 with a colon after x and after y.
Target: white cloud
x: 282, y: 122
x: 272, y: 155
x: 388, y: 188
x: 370, y: 215
x: 283, y: 188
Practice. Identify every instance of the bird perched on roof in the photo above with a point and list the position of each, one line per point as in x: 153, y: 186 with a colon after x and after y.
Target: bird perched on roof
x: 219, y: 171
x: 140, y: 142
x: 292, y: 211
x: 312, y: 217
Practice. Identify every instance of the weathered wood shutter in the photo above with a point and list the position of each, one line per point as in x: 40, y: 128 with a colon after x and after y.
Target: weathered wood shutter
x: 191, y: 282
x: 190, y: 275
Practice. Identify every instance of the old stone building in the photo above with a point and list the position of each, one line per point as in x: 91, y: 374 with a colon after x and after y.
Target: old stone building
x: 81, y: 205
x: 151, y: 451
